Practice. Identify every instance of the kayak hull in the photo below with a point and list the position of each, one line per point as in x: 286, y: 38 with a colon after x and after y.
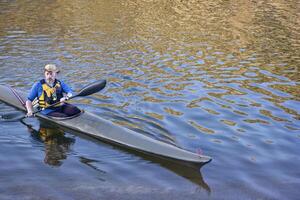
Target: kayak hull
x: 95, y: 126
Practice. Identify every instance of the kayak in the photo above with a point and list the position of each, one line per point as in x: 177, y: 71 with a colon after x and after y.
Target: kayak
x: 97, y: 127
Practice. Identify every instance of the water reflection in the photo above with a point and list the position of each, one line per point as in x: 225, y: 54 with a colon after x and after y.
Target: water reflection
x: 56, y: 143
x: 224, y: 72
x: 189, y: 171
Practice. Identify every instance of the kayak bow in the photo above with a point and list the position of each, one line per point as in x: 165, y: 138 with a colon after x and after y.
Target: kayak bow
x: 95, y: 126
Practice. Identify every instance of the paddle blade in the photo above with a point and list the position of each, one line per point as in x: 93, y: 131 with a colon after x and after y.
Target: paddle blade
x: 92, y: 88
x: 12, y: 116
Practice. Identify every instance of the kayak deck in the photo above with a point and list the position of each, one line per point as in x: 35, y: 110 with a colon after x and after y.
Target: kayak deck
x: 95, y: 126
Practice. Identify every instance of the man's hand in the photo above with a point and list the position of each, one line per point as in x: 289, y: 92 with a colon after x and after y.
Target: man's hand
x: 62, y: 100
x: 65, y: 98
x: 29, y: 114
x: 29, y: 109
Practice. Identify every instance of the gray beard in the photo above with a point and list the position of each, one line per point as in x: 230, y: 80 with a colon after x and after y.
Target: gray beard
x: 50, y: 83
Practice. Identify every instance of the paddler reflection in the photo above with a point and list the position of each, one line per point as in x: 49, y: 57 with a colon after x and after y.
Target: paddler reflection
x: 57, y: 144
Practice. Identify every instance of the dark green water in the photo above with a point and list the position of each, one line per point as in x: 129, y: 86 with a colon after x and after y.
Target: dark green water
x: 219, y: 76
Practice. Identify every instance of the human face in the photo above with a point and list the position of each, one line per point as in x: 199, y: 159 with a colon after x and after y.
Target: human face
x: 50, y: 76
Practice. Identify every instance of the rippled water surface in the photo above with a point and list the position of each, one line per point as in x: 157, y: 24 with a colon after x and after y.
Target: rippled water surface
x: 216, y: 77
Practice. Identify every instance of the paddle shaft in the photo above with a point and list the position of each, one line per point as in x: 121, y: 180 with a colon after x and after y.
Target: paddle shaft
x: 52, y: 105
x: 87, y: 90
x: 24, y: 104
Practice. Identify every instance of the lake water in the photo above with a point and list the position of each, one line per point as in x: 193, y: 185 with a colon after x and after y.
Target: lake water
x: 216, y: 77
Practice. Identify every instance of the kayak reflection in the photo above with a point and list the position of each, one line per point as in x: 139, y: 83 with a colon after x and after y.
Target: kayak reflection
x: 56, y: 143
x: 189, y: 171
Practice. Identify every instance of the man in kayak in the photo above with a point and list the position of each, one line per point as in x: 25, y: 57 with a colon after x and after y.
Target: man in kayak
x: 49, y: 91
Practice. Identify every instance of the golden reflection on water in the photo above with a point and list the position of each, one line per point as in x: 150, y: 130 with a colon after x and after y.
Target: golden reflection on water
x: 195, y: 56
x: 197, y: 73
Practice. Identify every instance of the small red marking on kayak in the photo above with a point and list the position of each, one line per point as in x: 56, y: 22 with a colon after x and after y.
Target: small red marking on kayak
x: 199, y: 151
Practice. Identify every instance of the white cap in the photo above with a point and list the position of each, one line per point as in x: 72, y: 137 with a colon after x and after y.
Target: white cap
x: 51, y: 68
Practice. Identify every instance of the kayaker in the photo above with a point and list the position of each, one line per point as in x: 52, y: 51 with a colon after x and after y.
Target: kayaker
x: 49, y: 91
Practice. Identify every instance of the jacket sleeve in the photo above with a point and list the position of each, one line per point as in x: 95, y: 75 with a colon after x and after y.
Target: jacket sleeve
x: 66, y: 88
x: 33, y: 92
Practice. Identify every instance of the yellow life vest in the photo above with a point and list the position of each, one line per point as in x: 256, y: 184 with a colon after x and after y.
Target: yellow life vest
x: 50, y: 95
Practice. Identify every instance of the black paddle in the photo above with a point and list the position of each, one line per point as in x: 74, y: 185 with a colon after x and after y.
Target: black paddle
x: 87, y: 90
